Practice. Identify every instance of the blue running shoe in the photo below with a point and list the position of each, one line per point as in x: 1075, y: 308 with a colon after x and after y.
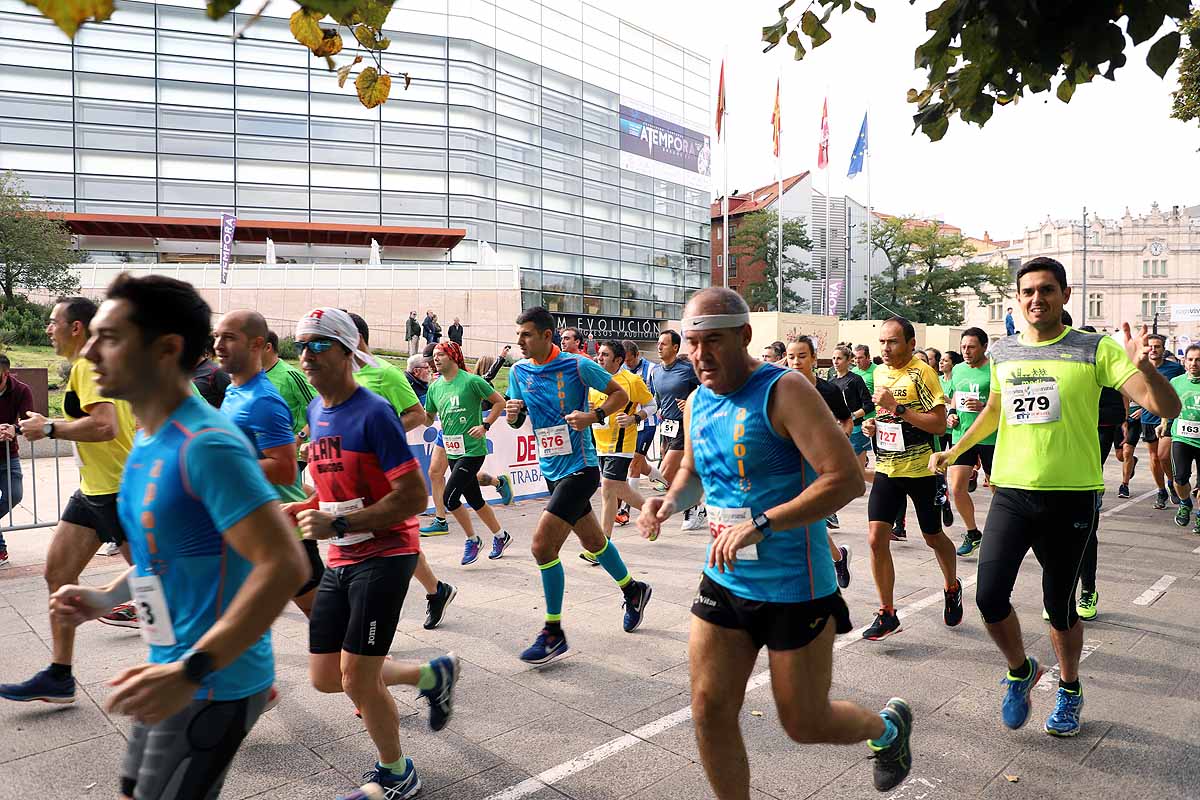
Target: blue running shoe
x: 1064, y: 719
x: 471, y: 550
x: 441, y: 697
x: 505, y: 490
x: 435, y: 527
x: 383, y: 784
x: 894, y: 761
x: 545, y: 648
x: 42, y: 686
x: 1016, y: 706
x: 635, y: 605
x: 499, y: 545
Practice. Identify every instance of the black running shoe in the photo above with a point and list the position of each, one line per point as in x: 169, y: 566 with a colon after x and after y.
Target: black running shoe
x: 1174, y: 494
x: 842, y: 568
x: 885, y: 625
x: 899, y: 534
x: 1123, y: 490
x: 947, y: 512
x: 973, y: 484
x: 435, y: 604
x: 1160, y: 499
x: 953, y: 613
x: 893, y: 762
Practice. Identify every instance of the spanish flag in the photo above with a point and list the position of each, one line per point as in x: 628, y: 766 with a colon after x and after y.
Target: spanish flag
x: 775, y: 125
x: 721, y: 100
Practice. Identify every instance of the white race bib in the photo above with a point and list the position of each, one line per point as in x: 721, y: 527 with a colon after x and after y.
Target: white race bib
x: 669, y: 428
x: 720, y: 519
x: 553, y: 441
x: 456, y: 446
x: 961, y: 398
x: 340, y: 509
x: 1187, y: 428
x: 890, y: 436
x: 1032, y: 403
x: 154, y: 618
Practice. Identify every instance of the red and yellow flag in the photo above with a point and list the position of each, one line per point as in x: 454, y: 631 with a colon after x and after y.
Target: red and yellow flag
x: 721, y: 100
x: 775, y: 125
x: 823, y: 145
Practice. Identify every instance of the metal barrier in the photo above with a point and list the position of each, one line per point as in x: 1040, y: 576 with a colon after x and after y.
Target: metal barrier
x: 29, y: 489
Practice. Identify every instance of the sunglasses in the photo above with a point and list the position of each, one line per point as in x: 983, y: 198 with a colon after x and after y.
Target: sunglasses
x: 315, y: 346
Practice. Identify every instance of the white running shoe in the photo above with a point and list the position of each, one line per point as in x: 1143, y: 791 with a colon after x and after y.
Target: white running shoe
x: 110, y: 549
x: 697, y: 520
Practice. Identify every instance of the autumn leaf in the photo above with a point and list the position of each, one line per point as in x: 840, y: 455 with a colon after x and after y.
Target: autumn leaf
x: 70, y: 14
x: 343, y: 72
x: 372, y: 87
x: 305, y: 28
x: 368, y: 37
x: 331, y: 43
x: 219, y: 8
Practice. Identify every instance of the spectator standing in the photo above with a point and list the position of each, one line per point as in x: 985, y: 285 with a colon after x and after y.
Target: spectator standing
x: 427, y: 327
x: 412, y: 333
x: 1010, y: 327
x: 210, y: 380
x: 419, y: 373
x: 456, y: 332
x: 16, y: 400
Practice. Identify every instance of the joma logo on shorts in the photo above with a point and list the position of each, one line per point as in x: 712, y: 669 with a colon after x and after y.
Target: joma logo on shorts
x: 371, y: 633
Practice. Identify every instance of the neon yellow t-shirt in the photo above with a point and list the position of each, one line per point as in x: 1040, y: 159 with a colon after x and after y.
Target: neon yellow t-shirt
x: 1050, y: 393
x: 611, y: 439
x: 100, y: 463
x: 917, y: 386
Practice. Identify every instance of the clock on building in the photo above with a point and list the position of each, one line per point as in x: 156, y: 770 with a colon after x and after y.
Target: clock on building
x: 1156, y: 248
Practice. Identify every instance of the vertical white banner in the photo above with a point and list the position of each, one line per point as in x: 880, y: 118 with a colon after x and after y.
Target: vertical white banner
x: 228, y: 227
x: 835, y: 295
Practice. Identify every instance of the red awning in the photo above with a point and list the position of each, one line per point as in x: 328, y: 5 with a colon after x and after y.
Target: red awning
x: 254, y: 230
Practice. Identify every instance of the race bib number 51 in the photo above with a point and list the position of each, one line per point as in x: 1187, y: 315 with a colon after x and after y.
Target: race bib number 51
x: 1032, y: 403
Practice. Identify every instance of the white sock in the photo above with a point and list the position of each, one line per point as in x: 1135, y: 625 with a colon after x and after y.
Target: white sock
x: 635, y: 483
x: 655, y: 475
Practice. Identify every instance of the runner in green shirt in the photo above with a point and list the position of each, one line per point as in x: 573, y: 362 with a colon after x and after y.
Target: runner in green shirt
x: 1044, y: 401
x: 457, y: 396
x: 1185, y: 435
x: 970, y: 387
x: 292, y: 384
x: 865, y: 368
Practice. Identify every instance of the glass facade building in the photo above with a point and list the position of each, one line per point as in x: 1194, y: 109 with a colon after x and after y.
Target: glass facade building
x: 514, y: 128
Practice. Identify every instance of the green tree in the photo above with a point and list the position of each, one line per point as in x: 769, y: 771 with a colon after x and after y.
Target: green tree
x: 757, y: 238
x: 35, y: 249
x: 984, y: 53
x: 1186, y: 99
x: 926, y: 271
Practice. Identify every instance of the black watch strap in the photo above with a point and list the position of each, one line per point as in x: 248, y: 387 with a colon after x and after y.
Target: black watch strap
x: 198, y: 665
x: 763, y: 524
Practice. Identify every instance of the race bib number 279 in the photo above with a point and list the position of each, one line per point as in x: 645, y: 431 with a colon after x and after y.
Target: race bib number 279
x: 1032, y: 403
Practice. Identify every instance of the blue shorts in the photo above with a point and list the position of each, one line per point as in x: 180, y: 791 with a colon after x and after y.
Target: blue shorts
x: 646, y: 438
x: 858, y: 441
x: 440, y: 441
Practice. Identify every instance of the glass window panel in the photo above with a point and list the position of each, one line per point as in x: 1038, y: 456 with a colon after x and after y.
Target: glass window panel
x: 561, y: 163
x: 196, y: 144
x: 564, y: 126
x: 562, y: 183
x: 95, y: 188
x: 602, y: 230
x: 461, y: 205
x: 30, y: 79
x: 563, y: 303
x: 518, y: 193
x: 281, y: 125
x: 560, y: 23
x: 605, y: 155
x: 249, y: 194
x: 115, y: 207
x: 482, y: 164
x: 250, y: 51
x: 284, y: 172
x: 412, y: 180
x: 477, y: 141
x: 531, y: 279
x: 696, y: 64
x: 561, y: 103
x: 272, y: 148
x: 274, y: 212
x: 191, y: 119
x: 115, y: 37
x: 349, y: 199
x: 519, y: 173
x: 599, y: 116
x: 272, y: 77
x: 519, y: 237
x: 464, y: 50
x: 365, y: 155
x: 518, y: 88
x: 562, y: 282
x: 559, y: 82
x: 517, y: 109
x: 425, y: 91
x: 596, y: 19
x: 553, y: 201
x: 472, y: 75
x: 602, y: 174
x: 344, y: 175
x: 114, y: 162
x: 605, y: 136
x: 416, y: 44
x: 478, y: 229
x: 552, y: 240
x: 19, y: 131
x: 601, y: 211
x: 413, y: 135
x: 191, y: 19
x: 635, y: 180
x: 27, y: 106
x: 112, y: 62
x: 114, y: 87
x: 47, y: 184
x: 342, y: 217
x: 197, y: 46
x: 524, y: 27
x: 521, y: 131
x: 186, y: 69
x: 343, y: 130
x: 479, y: 119
x: 413, y: 203
x: 519, y: 67
x: 559, y: 261
x: 273, y: 100
x: 518, y: 215
x: 517, y: 151
x: 561, y: 223
x: 414, y: 158
x: 668, y: 107
x: 197, y: 192
x: 635, y: 92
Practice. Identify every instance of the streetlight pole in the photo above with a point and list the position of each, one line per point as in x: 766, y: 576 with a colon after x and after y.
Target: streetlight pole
x: 1085, y: 269
x: 850, y: 226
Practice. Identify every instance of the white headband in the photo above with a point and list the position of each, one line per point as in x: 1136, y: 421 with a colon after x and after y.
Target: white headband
x: 333, y: 323
x: 708, y: 322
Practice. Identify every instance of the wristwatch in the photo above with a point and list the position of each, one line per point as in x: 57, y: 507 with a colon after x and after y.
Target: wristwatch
x: 763, y: 525
x: 487, y: 426
x: 341, y: 526
x: 48, y: 429
x: 197, y: 665
x: 901, y: 410
x: 600, y: 415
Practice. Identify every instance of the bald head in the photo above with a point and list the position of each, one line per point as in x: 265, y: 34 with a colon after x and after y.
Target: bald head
x: 240, y: 340
x: 715, y: 300
x: 249, y: 322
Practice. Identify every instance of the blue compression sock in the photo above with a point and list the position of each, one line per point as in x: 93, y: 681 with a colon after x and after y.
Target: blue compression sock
x: 613, y: 564
x: 554, y: 583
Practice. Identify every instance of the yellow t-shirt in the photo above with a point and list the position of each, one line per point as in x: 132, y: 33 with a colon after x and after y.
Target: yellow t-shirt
x: 901, y: 450
x: 100, y: 463
x: 610, y: 439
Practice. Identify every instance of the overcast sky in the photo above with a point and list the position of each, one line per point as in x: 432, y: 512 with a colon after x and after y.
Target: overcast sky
x: 1113, y: 146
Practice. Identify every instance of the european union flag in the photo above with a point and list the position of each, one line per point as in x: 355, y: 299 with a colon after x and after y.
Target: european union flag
x: 860, y: 151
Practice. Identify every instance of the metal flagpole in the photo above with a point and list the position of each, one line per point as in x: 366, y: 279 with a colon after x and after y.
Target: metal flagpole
x: 725, y: 193
x: 779, y: 219
x: 828, y: 218
x: 870, y: 249
x: 1084, y: 313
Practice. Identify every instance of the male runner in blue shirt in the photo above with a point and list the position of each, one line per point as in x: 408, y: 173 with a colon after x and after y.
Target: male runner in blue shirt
x: 551, y: 387
x: 214, y: 560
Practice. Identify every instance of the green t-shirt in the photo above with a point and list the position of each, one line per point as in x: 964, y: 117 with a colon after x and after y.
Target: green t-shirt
x: 1186, y: 427
x: 868, y: 376
x: 296, y: 391
x: 458, y: 404
x: 389, y: 383
x: 967, y: 382
x: 1050, y: 393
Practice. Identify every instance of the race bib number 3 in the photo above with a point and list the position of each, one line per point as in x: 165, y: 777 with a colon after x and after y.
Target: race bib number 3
x: 961, y: 398
x: 890, y: 436
x: 1032, y: 403
x: 455, y: 445
x: 154, y: 617
x: 1189, y: 429
x: 554, y: 441
x: 721, y: 519
x: 669, y: 428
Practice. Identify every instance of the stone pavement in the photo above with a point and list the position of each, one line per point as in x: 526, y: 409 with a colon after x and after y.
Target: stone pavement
x: 610, y: 721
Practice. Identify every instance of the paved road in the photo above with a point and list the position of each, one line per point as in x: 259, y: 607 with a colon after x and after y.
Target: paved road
x: 610, y: 720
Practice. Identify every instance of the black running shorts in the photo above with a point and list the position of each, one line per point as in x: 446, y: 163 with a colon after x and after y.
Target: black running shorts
x: 615, y: 468
x: 887, y: 499
x: 316, y: 566
x: 358, y: 606
x: 776, y: 626
x: 1183, y: 456
x: 185, y: 757
x: 571, y: 497
x: 981, y: 454
x: 1110, y: 436
x: 98, y: 512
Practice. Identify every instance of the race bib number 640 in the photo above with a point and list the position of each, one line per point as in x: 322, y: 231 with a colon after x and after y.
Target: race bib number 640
x: 1032, y: 403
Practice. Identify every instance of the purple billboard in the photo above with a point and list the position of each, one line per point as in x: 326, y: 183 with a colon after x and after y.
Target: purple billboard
x: 658, y: 140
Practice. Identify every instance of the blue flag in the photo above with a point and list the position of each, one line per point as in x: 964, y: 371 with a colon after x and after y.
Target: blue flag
x: 860, y: 151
